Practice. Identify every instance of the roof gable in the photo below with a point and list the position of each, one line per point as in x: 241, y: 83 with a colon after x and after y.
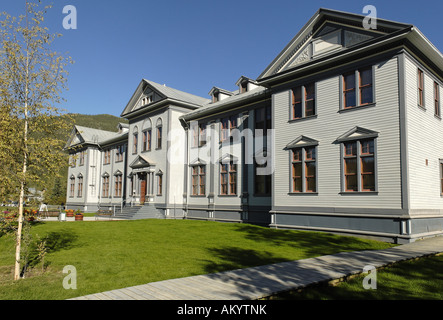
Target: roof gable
x: 155, y: 92
x: 141, y: 162
x: 327, y: 32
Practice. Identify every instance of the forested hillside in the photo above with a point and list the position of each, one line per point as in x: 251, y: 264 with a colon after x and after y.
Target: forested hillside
x: 56, y: 188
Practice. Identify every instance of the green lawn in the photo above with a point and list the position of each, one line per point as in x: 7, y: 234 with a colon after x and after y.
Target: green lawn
x: 409, y: 280
x: 115, y: 254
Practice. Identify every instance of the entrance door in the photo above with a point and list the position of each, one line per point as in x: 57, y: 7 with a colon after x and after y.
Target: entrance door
x: 143, y: 190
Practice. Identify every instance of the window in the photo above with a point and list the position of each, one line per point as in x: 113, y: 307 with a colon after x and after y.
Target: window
x: 304, y: 170
x: 420, y: 88
x: 359, y: 165
x: 310, y: 100
x: 159, y: 133
x: 263, y: 123
x: 147, y: 140
x: 436, y: 99
x: 296, y: 103
x: 198, y: 180
x: 303, y: 101
x: 199, y: 135
x: 107, y: 157
x: 365, y: 87
x: 80, y: 186
x: 215, y: 97
x: 118, y: 185
x: 228, y: 178
x: 227, y: 126
x: 358, y: 88
x: 349, y: 94
x: 244, y: 87
x: 135, y: 141
x: 82, y: 158
x: 441, y: 177
x: 72, y: 161
x: 72, y: 187
x: 262, y: 183
x: 105, y: 187
x: 119, y: 152
x: 159, y: 184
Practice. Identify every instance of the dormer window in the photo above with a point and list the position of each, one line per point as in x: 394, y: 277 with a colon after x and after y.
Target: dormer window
x: 244, y: 87
x: 215, y: 96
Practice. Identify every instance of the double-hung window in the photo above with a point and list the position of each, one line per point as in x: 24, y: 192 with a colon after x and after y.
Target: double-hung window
x: 359, y: 165
x: 228, y: 178
x: 303, y: 101
x: 358, y: 157
x: 304, y: 169
x: 420, y: 85
x: 118, y: 185
x: 436, y: 99
x: 198, y: 180
x: 72, y: 187
x: 358, y: 88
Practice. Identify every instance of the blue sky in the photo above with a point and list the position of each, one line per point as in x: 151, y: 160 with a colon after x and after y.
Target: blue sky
x: 190, y: 45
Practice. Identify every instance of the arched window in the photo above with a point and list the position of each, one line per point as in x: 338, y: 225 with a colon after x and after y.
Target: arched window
x: 105, y: 185
x: 118, y: 181
x: 159, y: 133
x: 72, y: 186
x: 80, y: 186
x: 147, y: 135
x: 135, y: 140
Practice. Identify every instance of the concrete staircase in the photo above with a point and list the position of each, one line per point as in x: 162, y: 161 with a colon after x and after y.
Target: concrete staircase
x: 137, y: 212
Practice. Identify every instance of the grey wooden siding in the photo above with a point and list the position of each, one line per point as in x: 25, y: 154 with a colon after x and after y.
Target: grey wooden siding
x: 425, y: 146
x: 329, y: 124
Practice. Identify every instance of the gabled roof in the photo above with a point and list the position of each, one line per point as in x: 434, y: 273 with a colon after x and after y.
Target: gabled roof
x: 322, y: 23
x: 166, y: 93
x: 83, y: 135
x: 332, y: 37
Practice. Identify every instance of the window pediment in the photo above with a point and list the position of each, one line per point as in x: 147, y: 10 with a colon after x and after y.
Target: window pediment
x: 301, y: 142
x: 357, y: 133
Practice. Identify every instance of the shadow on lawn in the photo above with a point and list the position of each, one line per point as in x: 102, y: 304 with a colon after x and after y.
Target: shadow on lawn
x: 310, y: 243
x: 60, y: 240
x: 231, y: 258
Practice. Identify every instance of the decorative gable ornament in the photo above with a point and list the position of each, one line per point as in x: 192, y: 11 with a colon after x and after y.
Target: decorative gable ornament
x: 301, y: 142
x: 357, y: 133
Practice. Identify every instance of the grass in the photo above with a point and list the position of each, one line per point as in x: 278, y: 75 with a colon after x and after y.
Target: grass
x: 115, y: 254
x: 417, y: 279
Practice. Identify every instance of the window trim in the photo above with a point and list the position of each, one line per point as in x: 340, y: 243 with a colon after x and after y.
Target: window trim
x: 199, y: 175
x: 357, y: 88
x: 303, y: 160
x: 359, y: 155
x: 135, y: 141
x: 303, y: 101
x: 228, y: 174
x: 160, y: 184
x: 437, y: 110
x: 441, y: 176
x: 159, y: 133
x: 420, y: 88
x: 118, y: 185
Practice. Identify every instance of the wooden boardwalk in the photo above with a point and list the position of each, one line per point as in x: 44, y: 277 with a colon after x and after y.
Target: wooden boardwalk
x: 259, y: 282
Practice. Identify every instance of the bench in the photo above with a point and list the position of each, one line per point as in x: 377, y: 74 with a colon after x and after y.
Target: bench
x: 103, y: 214
x: 49, y: 213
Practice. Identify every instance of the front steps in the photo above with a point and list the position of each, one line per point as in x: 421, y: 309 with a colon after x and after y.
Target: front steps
x: 138, y: 212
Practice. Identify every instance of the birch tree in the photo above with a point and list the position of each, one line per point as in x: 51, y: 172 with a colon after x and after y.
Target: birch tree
x: 32, y: 79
